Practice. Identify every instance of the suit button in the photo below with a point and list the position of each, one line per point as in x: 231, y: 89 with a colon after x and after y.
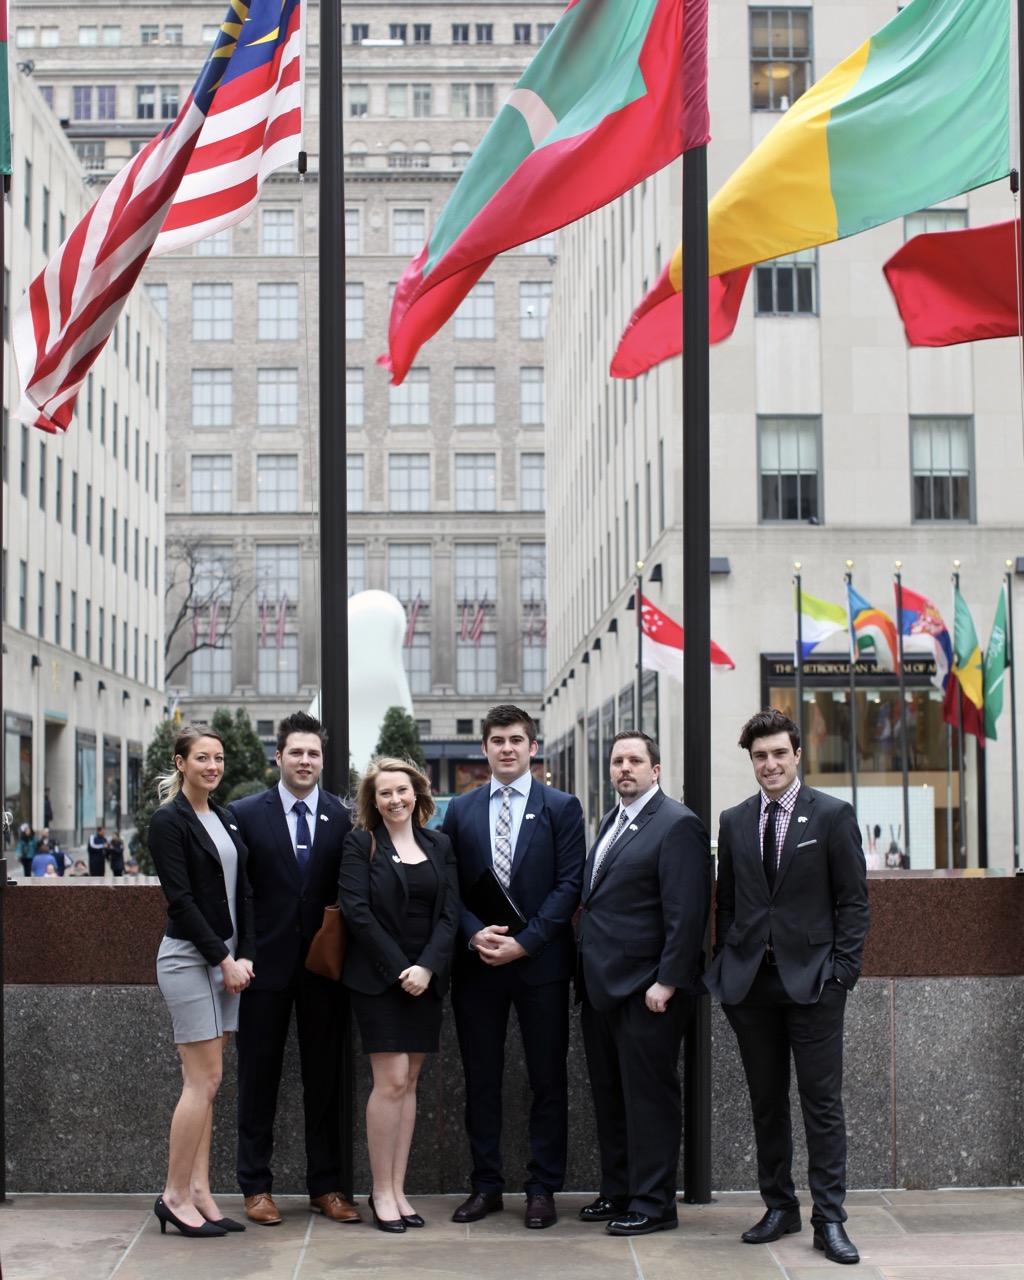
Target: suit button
x: 771, y: 908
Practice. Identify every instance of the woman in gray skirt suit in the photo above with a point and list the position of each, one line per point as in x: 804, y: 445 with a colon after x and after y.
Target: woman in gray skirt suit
x: 203, y: 965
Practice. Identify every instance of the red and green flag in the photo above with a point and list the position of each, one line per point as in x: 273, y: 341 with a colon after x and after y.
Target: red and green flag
x: 5, y: 102
x: 615, y: 93
x: 996, y: 662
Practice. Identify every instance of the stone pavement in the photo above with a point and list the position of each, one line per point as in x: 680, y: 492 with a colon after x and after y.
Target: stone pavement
x: 901, y: 1235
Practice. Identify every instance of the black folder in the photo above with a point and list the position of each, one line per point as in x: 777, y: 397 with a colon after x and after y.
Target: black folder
x: 491, y: 901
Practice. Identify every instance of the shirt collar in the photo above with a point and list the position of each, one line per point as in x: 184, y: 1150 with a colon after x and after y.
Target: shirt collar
x: 312, y: 801
x: 787, y: 800
x: 522, y: 784
x: 638, y: 804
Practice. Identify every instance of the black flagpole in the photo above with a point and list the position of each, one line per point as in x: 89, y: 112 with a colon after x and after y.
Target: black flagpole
x: 1014, y: 774
x: 853, y: 689
x: 696, y: 454
x: 333, y: 467
x: 903, y: 713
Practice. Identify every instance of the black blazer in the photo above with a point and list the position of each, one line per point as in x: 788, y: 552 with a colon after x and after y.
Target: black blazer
x: 288, y: 909
x: 374, y: 896
x: 193, y: 881
x: 817, y: 914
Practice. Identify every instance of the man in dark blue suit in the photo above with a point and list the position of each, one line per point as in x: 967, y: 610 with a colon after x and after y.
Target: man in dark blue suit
x: 294, y: 833
x: 533, y: 838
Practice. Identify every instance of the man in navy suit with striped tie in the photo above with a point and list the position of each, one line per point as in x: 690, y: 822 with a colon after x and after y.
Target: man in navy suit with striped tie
x: 532, y: 837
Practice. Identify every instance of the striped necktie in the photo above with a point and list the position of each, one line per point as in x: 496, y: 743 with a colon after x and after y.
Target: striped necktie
x: 503, y: 839
x: 602, y: 853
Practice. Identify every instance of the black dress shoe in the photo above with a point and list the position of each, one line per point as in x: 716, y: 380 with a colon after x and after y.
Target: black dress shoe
x: 834, y: 1243
x: 478, y: 1206
x: 413, y: 1220
x: 540, y: 1211
x: 775, y: 1224
x: 639, y: 1224
x: 601, y: 1210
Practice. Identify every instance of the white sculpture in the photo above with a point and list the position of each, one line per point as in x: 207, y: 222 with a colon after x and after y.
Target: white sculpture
x: 376, y: 673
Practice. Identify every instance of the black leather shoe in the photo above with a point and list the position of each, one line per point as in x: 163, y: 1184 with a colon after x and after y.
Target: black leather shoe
x: 478, y: 1206
x: 540, y: 1211
x: 834, y: 1243
x: 601, y: 1210
x: 775, y: 1224
x: 639, y: 1224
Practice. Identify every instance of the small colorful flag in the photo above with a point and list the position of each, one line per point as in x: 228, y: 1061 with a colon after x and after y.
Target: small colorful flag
x: 478, y: 622
x: 5, y: 102
x: 873, y: 632
x: 662, y: 644
x: 282, y: 614
x: 819, y: 619
x: 966, y: 650
x: 214, y: 619
x: 996, y: 662
x: 410, y: 629
x: 924, y: 631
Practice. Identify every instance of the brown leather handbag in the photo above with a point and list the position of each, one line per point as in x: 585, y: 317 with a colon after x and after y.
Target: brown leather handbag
x: 330, y: 942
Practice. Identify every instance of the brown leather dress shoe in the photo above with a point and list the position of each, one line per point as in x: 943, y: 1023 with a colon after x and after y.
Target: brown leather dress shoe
x: 261, y: 1208
x: 477, y: 1207
x: 333, y: 1205
x: 540, y: 1211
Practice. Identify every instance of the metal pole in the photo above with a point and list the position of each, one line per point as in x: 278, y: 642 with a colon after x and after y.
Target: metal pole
x: 333, y: 468
x: 696, y: 454
x: 1014, y: 770
x: 903, y: 713
x: 958, y: 694
x: 639, y: 721
x: 853, y: 690
x: 799, y: 656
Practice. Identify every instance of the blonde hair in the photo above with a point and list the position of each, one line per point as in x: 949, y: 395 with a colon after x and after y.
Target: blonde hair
x: 368, y: 817
x: 169, y: 784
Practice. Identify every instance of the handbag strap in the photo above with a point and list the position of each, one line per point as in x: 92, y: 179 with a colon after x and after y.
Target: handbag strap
x: 373, y: 846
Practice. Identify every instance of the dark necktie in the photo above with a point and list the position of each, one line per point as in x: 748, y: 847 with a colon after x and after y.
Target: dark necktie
x: 602, y: 853
x: 302, y: 840
x: 768, y: 844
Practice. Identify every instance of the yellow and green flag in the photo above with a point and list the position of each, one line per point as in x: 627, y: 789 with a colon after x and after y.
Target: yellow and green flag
x: 918, y: 114
x: 5, y: 108
x: 966, y: 651
x: 995, y: 667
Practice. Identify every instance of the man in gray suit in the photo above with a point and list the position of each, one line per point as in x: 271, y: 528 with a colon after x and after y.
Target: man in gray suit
x: 791, y: 916
x: 646, y: 896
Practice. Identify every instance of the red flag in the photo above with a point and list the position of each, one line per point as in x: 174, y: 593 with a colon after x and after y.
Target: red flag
x: 655, y: 329
x: 662, y: 644
x: 282, y: 614
x: 263, y: 621
x: 214, y: 619
x: 464, y: 630
x: 410, y: 629
x: 957, y: 286
x: 616, y: 92
x: 544, y: 631
x: 972, y: 718
x: 241, y: 121
x: 478, y: 622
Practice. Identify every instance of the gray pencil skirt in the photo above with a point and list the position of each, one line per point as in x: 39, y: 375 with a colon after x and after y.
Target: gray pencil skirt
x: 194, y: 993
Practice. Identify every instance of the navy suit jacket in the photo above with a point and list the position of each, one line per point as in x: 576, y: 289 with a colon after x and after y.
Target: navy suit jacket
x: 645, y: 916
x: 547, y: 874
x: 288, y: 910
x: 817, y: 914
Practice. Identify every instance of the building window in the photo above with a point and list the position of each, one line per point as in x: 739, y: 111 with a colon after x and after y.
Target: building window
x: 111, y: 37
x: 212, y: 398
x: 150, y: 34
x: 409, y: 404
x: 157, y: 294
x: 461, y: 155
x: 356, y: 487
x: 421, y: 33
x: 354, y: 397
x: 485, y: 33
x: 214, y: 567
x: 476, y: 572
x: 106, y: 102
x: 277, y: 482
x: 534, y: 302
x: 544, y: 29
x: 23, y: 595
x: 408, y: 231
x: 25, y: 37
x: 531, y: 481
x: 360, y: 32
x: 277, y: 573
x: 409, y: 571
x: 546, y: 245
x: 278, y: 231
x: 88, y: 37
x: 915, y: 224
x: 145, y: 101
x: 409, y: 482
x: 788, y: 286
x: 81, y: 102
x: 475, y: 488
x: 277, y: 312
x: 212, y: 313
x: 169, y: 104
x: 398, y: 101
x: 459, y: 101
x: 277, y: 397
x: 476, y: 665
x: 422, y: 101
x: 211, y: 483
x: 521, y: 33
x: 211, y: 670
x: 474, y: 317
x: 277, y: 669
x: 790, y: 474
x: 173, y: 34
x: 46, y: 91
x: 484, y: 101
x: 352, y: 221
x: 397, y: 31
x: 416, y: 659
x: 356, y: 568
x: 531, y: 396
x: 474, y: 397
x: 354, y: 317
x: 460, y: 33
x: 93, y: 155
x: 532, y: 572
x: 358, y: 99
x: 940, y: 450
x: 535, y: 663
x: 780, y: 57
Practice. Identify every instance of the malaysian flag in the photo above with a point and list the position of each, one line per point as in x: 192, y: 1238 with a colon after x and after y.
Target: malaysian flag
x: 241, y: 121
x: 410, y: 630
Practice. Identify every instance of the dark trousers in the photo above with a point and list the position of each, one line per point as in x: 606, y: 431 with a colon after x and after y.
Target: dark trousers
x: 481, y: 1006
x: 97, y: 861
x: 633, y: 1061
x: 321, y: 1018
x: 770, y: 1027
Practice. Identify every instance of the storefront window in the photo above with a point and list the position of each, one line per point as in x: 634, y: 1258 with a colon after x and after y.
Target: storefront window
x: 112, y: 783
x: 85, y: 785
x: 18, y: 772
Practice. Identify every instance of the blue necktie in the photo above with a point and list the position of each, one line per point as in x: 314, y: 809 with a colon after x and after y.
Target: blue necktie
x: 302, y: 840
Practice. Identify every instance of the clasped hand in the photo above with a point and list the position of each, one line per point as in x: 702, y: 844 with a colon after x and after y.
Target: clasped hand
x: 658, y: 995
x: 237, y: 974
x: 415, y: 979
x: 494, y: 947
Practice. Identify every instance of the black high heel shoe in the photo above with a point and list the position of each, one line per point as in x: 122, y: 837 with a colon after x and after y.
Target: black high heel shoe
x: 413, y: 1220
x: 207, y: 1230
x: 226, y: 1224
x: 394, y: 1225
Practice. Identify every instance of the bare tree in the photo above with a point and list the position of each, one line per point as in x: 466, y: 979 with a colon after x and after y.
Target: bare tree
x: 204, y: 596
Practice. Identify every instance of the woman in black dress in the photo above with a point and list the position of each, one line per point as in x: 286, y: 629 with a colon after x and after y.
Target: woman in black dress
x: 399, y: 893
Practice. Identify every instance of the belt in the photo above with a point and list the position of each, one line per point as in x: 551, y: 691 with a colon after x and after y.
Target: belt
x: 768, y: 960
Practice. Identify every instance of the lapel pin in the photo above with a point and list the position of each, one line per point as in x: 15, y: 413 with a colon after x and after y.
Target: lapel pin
x: 633, y: 827
x: 395, y: 858
x: 527, y: 817
x: 802, y: 819
x: 232, y: 826
x: 324, y: 818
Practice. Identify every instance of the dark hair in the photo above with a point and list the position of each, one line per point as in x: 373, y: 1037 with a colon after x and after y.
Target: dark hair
x: 300, y: 722
x: 504, y: 715
x: 368, y: 816
x: 766, y: 724
x: 169, y: 784
x: 653, y: 750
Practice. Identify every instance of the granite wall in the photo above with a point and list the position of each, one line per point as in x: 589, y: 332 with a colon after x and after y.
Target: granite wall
x: 934, y: 1046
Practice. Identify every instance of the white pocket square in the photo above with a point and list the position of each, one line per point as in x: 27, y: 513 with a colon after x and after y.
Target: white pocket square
x: 804, y: 843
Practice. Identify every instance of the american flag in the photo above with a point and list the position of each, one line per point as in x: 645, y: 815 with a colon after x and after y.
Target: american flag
x: 478, y: 622
x: 410, y: 630
x: 241, y: 121
x: 464, y: 630
x: 282, y: 614
x: 214, y: 620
